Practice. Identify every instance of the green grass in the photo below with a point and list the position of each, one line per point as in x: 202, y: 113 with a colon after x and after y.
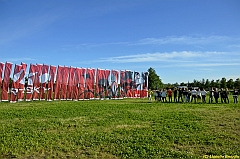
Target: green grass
x: 129, y: 128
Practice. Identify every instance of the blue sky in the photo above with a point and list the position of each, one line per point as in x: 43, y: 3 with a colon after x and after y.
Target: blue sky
x: 182, y: 40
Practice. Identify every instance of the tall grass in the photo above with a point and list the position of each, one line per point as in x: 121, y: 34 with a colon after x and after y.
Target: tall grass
x: 129, y: 128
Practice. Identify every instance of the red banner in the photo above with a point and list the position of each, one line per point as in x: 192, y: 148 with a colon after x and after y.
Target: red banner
x: 1, y: 72
x: 144, y: 85
x: 52, y: 73
x: 36, y: 82
x: 58, y: 83
x: 82, y: 83
x: 129, y: 85
x: 108, y: 91
x: 6, y: 80
x: 15, y: 82
x: 122, y: 84
x: 22, y: 83
x: 70, y: 83
x: 65, y: 73
x: 75, y: 86
x: 114, y: 83
x: 137, y: 85
x: 44, y: 80
x: 31, y: 77
x: 89, y: 89
x: 100, y: 84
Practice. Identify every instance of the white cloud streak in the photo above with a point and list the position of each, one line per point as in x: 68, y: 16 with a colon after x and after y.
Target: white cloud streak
x: 21, y: 59
x: 177, y: 59
x: 186, y: 40
x: 201, y: 41
x: 183, y: 56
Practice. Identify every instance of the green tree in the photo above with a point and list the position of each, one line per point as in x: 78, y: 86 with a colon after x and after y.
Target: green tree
x: 154, y: 81
x: 207, y: 84
x: 183, y: 84
x: 175, y: 84
x: 212, y: 83
x: 237, y: 83
x: 223, y: 83
x: 230, y: 84
x: 217, y: 83
x: 203, y: 82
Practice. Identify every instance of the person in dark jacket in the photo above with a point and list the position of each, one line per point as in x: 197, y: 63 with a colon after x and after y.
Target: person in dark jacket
x: 235, y: 96
x: 180, y: 94
x: 222, y: 96
x: 211, y: 93
x: 175, y: 95
x: 226, y: 95
x: 216, y: 95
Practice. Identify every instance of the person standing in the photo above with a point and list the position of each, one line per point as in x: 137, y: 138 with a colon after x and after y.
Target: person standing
x: 211, y: 93
x: 150, y: 95
x: 235, y: 96
x: 180, y: 92
x: 204, y: 93
x: 175, y: 94
x: 156, y: 95
x: 169, y: 93
x: 226, y: 95
x: 164, y: 94
x: 160, y: 95
x: 185, y: 94
x: 189, y: 96
x: 194, y: 95
x: 222, y: 96
x: 216, y: 95
x: 199, y: 95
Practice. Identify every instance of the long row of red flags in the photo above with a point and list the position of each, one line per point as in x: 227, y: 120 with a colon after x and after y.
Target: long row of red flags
x: 46, y: 82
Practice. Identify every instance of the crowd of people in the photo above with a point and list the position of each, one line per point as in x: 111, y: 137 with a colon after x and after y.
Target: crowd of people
x: 195, y: 95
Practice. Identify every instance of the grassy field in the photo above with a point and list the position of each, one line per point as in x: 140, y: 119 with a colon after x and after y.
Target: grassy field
x: 129, y: 128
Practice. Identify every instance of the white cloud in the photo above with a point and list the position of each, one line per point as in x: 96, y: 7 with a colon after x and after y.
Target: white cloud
x: 211, y: 64
x: 197, y: 41
x: 186, y: 40
x: 183, y: 56
x: 234, y: 46
x: 21, y: 59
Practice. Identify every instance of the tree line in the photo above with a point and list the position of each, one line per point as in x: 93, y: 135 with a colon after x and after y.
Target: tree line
x: 154, y: 82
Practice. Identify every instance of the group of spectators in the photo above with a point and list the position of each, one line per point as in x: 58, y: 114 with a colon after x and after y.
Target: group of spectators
x: 194, y: 95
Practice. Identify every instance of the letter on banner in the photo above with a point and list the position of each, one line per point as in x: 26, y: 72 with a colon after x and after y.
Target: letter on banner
x: 6, y: 80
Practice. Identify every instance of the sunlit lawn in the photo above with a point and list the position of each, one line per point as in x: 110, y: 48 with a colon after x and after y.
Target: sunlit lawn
x: 128, y: 128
